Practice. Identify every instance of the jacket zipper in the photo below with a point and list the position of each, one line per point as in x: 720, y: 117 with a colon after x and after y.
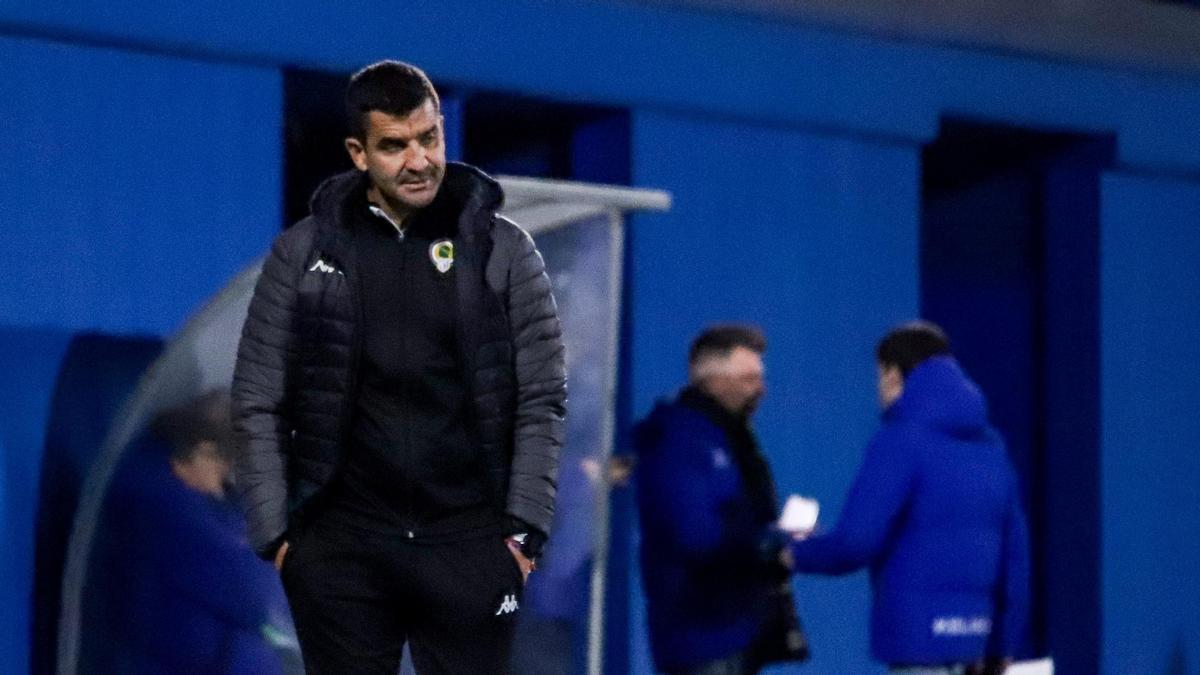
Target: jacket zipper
x: 351, y: 281
x: 383, y: 214
x: 406, y: 458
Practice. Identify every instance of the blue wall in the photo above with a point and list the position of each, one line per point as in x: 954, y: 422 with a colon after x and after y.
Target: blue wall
x: 1150, y: 470
x: 139, y: 172
x: 133, y: 187
x: 669, y: 59
x: 134, y: 184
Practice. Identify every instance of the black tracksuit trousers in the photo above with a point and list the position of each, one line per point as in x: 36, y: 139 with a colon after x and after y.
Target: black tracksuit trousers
x: 357, y: 596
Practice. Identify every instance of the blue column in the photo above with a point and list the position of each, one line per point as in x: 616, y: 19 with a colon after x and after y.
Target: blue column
x: 1150, y: 430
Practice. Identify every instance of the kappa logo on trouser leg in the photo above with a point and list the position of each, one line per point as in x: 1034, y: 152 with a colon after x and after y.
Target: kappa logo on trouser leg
x: 508, y: 606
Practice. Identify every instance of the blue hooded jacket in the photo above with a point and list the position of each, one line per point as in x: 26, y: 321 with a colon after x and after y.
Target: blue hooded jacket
x: 935, y: 511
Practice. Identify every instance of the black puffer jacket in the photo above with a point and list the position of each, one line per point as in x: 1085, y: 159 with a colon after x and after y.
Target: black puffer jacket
x: 294, y: 384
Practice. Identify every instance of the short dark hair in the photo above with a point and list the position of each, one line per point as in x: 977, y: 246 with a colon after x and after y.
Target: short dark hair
x: 200, y: 419
x: 908, y: 344
x: 722, y: 339
x: 390, y: 87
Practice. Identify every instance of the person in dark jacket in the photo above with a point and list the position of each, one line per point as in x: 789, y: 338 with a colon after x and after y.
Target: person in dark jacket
x: 718, y: 601
x: 935, y: 512
x: 399, y: 399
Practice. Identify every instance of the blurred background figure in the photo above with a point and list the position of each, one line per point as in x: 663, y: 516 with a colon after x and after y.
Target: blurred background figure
x: 182, y: 591
x: 718, y: 600
x: 935, y: 512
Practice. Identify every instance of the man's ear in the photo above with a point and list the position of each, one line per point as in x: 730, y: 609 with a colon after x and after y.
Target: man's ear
x: 357, y: 152
x: 894, y: 378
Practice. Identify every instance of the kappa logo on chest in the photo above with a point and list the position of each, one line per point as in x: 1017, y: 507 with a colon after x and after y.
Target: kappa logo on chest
x: 324, y: 268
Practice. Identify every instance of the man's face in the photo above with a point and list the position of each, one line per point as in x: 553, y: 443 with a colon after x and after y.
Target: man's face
x: 204, y: 471
x: 890, y: 384
x: 738, y: 381
x: 405, y: 158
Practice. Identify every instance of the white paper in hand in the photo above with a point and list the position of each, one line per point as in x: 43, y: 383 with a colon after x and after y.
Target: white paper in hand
x: 799, y: 515
x: 1038, y: 667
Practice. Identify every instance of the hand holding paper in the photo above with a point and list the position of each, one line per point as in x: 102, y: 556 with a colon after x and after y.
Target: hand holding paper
x: 799, y: 516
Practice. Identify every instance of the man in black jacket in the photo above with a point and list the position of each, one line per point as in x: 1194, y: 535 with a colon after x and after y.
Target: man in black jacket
x: 399, y: 401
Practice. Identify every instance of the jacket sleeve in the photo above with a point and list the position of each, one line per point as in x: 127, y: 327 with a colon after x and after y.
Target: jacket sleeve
x: 211, y: 567
x: 684, y: 506
x: 878, y: 495
x: 1012, y: 588
x: 540, y: 366
x: 260, y: 384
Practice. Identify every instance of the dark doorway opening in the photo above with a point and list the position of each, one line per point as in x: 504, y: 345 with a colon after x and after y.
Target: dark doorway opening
x: 314, y: 128
x: 1010, y: 268
x: 523, y: 136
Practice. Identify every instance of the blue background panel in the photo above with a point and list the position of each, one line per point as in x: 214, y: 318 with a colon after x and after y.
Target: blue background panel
x: 134, y: 186
x: 669, y: 59
x: 1150, y: 467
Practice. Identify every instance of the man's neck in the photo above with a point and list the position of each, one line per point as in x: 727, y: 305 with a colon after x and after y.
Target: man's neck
x: 399, y: 215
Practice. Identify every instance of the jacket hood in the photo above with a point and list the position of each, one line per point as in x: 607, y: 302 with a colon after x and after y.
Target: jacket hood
x: 939, y: 395
x: 666, y: 413
x: 646, y: 434
x: 465, y: 190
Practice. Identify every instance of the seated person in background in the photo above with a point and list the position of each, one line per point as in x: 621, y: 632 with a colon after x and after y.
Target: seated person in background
x: 718, y: 600
x: 173, y: 585
x: 935, y: 512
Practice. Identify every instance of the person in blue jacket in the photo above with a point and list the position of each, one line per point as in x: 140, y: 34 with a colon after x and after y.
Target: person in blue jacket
x: 935, y: 512
x: 174, y: 586
x: 718, y: 599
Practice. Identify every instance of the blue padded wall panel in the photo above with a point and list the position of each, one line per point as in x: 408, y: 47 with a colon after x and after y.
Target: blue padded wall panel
x: 670, y: 58
x: 815, y: 239
x: 134, y: 185
x: 1150, y: 432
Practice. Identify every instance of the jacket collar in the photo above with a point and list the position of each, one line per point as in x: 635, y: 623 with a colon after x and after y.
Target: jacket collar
x: 466, y: 194
x: 697, y: 399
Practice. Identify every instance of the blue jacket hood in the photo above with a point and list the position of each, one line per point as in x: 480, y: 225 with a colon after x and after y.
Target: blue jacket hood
x: 939, y: 395
x: 647, y: 432
x: 666, y: 415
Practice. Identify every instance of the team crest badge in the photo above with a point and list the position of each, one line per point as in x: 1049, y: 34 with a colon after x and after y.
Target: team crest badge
x: 441, y: 252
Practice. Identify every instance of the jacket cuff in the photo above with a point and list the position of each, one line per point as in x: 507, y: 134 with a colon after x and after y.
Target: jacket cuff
x: 267, y: 552
x: 535, y: 539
